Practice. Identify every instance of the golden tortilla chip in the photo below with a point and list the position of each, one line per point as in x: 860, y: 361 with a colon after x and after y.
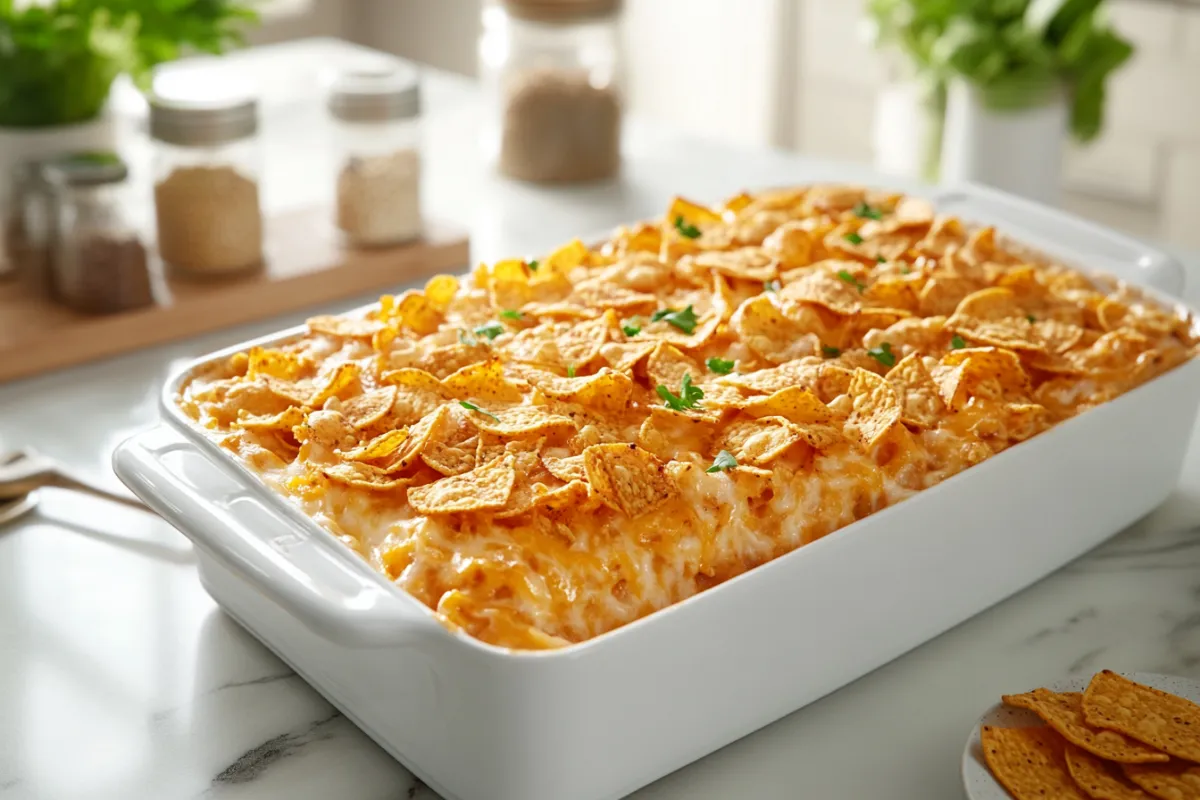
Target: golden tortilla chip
x: 327, y: 429
x: 484, y: 488
x: 432, y: 427
x: 691, y: 213
x: 346, y: 327
x: 1176, y: 780
x: 1029, y: 763
x: 836, y: 285
x: 1161, y: 720
x: 771, y: 333
x: 440, y: 291
x: 791, y: 244
x: 607, y: 295
x: 1063, y: 711
x: 748, y: 263
x: 540, y: 497
x: 451, y: 459
x: 275, y: 363
x: 804, y: 372
x: 624, y: 356
x: 795, y: 404
x: 363, y: 476
x: 627, y: 478
x: 563, y: 260
x: 382, y: 446
x: 569, y: 468
x: 521, y: 421
x: 414, y: 311
x: 667, y: 365
x: 333, y: 383
x: 1100, y: 779
x: 921, y: 405
x: 284, y: 420
x: 606, y: 390
x: 876, y: 408
x: 485, y: 382
x: 986, y: 372
x: 760, y: 441
x: 366, y: 409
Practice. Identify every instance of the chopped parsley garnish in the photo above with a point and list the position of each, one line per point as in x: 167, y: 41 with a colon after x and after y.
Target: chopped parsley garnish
x: 722, y: 462
x: 532, y: 264
x: 880, y: 260
x: 771, y: 286
x: 685, y: 229
x: 830, y: 352
x: 1031, y: 317
x: 720, y: 365
x: 689, y: 396
x: 469, y: 406
x: 853, y: 238
x: 684, y: 320
x: 957, y: 343
x: 510, y: 313
x: 850, y: 279
x: 864, y: 211
x: 631, y: 330
x: 466, y: 338
x: 570, y: 370
x: 491, y: 330
x: 906, y: 269
x: 883, y: 354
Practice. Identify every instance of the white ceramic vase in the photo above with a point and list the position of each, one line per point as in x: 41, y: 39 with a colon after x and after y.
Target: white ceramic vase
x: 1019, y: 151
x: 907, y: 132
x: 23, y: 144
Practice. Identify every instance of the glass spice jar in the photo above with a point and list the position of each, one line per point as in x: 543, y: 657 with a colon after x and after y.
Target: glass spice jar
x: 551, y: 76
x: 98, y: 264
x: 206, y: 193
x: 27, y: 226
x: 377, y: 150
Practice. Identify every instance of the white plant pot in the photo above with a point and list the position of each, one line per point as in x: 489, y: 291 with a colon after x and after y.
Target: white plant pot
x: 22, y: 144
x: 1018, y: 151
x: 907, y: 130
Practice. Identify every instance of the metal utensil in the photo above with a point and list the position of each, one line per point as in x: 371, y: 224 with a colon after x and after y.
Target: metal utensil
x: 24, y: 471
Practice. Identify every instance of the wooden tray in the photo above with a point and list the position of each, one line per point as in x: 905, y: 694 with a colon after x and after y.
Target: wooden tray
x: 305, y: 267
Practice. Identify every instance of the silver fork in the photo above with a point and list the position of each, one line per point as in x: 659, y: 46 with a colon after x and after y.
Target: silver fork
x: 23, y: 471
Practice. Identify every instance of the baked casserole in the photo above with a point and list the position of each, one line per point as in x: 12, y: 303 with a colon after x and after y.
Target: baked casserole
x: 551, y: 448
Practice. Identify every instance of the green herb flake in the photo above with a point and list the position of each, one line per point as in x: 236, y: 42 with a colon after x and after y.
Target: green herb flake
x: 772, y: 286
x: 864, y: 211
x: 689, y: 396
x: 722, y: 462
x: 957, y: 343
x: 570, y: 370
x: 686, y: 230
x: 684, y: 320
x: 511, y: 313
x: 830, y: 352
x: 1031, y: 317
x: 850, y: 279
x: 883, y: 354
x: 469, y: 406
x: 905, y: 270
x: 467, y: 339
x: 490, y: 331
x: 880, y: 260
x: 532, y: 264
x: 720, y: 365
x: 631, y: 330
x: 853, y: 238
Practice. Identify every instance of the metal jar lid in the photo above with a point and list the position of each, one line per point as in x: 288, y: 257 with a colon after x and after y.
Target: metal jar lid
x: 202, y: 122
x: 562, y: 10
x: 376, y: 95
x: 85, y: 169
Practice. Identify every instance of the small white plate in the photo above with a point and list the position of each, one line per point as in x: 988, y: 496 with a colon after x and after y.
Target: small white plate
x: 976, y: 777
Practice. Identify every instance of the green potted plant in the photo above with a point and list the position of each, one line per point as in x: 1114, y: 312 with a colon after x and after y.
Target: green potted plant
x: 59, y: 58
x: 1014, y: 77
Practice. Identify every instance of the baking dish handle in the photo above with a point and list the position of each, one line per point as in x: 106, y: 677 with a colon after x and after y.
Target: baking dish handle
x: 1050, y: 229
x: 313, y: 584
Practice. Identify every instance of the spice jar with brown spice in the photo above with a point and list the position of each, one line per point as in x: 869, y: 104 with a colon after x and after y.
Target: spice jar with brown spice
x: 551, y: 75
x: 98, y: 264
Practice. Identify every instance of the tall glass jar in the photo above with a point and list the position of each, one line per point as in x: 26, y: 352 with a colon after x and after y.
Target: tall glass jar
x: 206, y: 196
x: 377, y: 152
x: 98, y: 263
x: 551, y: 71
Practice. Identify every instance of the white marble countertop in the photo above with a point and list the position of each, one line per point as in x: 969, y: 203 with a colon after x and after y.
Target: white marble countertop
x: 121, y: 680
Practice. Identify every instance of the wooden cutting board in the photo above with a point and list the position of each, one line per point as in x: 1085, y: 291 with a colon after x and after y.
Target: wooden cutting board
x: 305, y: 267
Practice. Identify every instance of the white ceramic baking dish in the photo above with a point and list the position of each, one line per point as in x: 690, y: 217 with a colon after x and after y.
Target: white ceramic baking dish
x: 599, y: 719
